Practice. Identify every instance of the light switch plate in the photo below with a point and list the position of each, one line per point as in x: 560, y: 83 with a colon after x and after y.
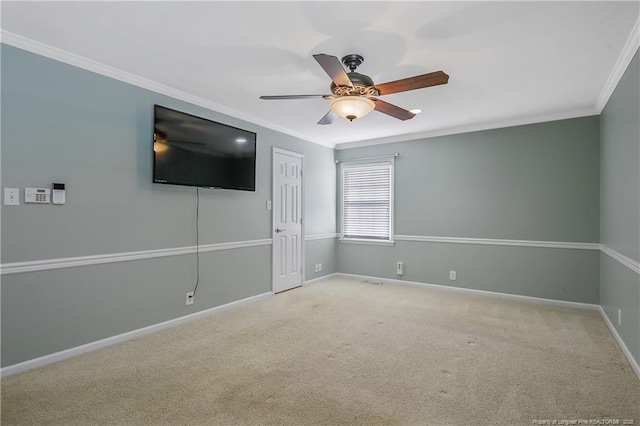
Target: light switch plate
x: 11, y: 196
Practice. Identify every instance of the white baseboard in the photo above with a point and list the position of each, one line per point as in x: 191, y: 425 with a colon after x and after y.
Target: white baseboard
x: 319, y: 279
x: 474, y: 291
x: 68, y: 353
x: 632, y: 361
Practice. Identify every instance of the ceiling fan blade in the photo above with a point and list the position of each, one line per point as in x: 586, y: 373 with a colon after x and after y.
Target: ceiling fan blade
x: 332, y: 66
x: 328, y: 118
x: 417, y: 82
x: 280, y: 97
x: 392, y: 110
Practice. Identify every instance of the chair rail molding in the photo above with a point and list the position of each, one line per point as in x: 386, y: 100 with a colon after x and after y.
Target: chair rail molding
x: 70, y: 262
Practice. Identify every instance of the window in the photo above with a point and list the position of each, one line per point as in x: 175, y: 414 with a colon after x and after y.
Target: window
x: 367, y: 201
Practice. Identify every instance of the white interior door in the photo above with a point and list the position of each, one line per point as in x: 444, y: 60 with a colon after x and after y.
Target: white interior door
x: 287, y: 220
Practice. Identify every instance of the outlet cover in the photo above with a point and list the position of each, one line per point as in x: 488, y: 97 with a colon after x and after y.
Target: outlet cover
x: 319, y: 267
x: 452, y: 275
x: 619, y: 316
x: 189, y: 298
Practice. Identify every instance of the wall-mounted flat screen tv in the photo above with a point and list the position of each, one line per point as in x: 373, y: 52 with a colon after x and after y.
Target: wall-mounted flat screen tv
x: 193, y: 151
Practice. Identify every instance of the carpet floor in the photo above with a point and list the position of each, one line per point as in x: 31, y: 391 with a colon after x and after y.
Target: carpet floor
x: 345, y: 352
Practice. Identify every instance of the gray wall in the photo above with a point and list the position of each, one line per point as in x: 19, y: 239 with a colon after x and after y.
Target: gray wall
x: 546, y: 182
x: 620, y: 208
x: 64, y: 124
x: 535, y: 182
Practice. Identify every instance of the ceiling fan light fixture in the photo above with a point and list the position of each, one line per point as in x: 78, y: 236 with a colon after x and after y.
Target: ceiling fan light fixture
x: 352, y: 107
x: 159, y: 147
x: 159, y: 142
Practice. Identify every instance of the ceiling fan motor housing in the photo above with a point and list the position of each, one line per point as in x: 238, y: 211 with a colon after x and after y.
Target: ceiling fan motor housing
x: 360, y: 83
x: 352, y: 61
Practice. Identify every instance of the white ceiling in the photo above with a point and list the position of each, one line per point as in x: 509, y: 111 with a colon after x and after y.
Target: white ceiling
x: 509, y: 62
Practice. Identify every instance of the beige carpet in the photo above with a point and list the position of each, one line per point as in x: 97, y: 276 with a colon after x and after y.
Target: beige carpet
x: 345, y: 352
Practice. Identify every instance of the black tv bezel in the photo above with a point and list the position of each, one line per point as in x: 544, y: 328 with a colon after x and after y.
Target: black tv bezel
x: 229, y: 188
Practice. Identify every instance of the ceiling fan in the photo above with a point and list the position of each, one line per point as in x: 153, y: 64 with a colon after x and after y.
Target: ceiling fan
x: 161, y: 142
x: 354, y: 94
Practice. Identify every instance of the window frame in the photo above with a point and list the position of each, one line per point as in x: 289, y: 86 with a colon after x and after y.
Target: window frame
x: 364, y: 163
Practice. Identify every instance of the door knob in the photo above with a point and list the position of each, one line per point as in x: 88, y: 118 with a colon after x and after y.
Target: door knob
x: 279, y: 230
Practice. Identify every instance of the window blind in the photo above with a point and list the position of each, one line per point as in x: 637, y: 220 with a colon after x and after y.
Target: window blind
x: 367, y: 197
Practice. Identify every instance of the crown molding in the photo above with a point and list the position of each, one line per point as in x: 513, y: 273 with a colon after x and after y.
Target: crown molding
x: 489, y: 125
x: 624, y: 59
x: 69, y: 58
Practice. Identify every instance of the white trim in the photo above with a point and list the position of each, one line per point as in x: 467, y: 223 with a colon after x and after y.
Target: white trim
x: 626, y: 261
x: 473, y: 291
x: 369, y: 161
x: 633, y: 362
x: 60, y: 55
x: 373, y: 159
x: 275, y: 150
x: 321, y: 237
x: 71, y: 262
x: 365, y: 241
x: 621, y: 65
x: 621, y: 344
x: 490, y: 125
x: 68, y: 353
x: 499, y: 242
x: 320, y: 279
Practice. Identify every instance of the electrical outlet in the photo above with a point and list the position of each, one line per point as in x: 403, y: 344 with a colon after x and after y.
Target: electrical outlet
x: 189, y: 298
x: 319, y: 267
x: 400, y: 268
x: 619, y: 316
x: 452, y: 275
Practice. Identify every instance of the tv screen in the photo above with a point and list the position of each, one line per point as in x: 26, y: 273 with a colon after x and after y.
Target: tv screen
x: 193, y: 151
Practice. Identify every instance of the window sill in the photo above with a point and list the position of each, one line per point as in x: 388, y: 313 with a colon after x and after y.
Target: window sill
x: 367, y: 242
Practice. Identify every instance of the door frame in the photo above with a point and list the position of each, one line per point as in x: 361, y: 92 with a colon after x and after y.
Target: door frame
x: 275, y: 151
